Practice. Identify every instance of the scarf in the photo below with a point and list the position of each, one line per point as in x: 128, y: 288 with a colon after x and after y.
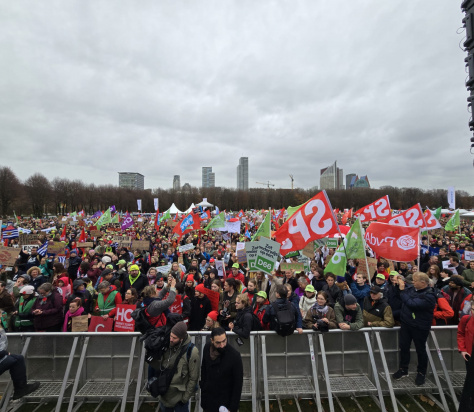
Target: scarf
x: 321, y: 309
x: 133, y: 280
x: 69, y: 315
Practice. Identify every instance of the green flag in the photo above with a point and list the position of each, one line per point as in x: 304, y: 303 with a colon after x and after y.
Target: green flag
x: 217, y: 222
x: 264, y: 228
x: 115, y: 219
x: 73, y: 214
x: 355, y: 244
x: 453, y: 223
x: 166, y: 216
x: 437, y: 213
x: 104, y: 219
x: 291, y: 210
x: 338, y: 262
x: 15, y: 217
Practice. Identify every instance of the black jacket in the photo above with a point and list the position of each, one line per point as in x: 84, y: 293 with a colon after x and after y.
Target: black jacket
x: 392, y: 293
x: 243, y: 322
x: 418, y: 307
x: 221, y: 380
x: 139, y: 284
x: 199, y: 311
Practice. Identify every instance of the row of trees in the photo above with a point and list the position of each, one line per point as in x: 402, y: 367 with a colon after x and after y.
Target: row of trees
x: 38, y: 196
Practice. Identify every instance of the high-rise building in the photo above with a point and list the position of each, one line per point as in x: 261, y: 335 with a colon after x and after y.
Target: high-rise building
x: 208, y: 177
x: 132, y: 180
x: 176, y: 182
x: 351, y: 178
x: 243, y: 174
x: 331, y: 177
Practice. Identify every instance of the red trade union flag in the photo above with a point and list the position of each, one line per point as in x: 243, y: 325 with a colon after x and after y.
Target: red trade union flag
x: 313, y: 220
x: 378, y: 210
x: 398, y: 243
x: 347, y: 215
x: 412, y: 217
x: 431, y: 221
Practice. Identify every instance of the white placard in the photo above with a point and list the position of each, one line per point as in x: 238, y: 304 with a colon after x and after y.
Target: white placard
x: 164, y: 269
x: 468, y: 255
x: 185, y: 248
x: 220, y: 268
x: 139, y: 204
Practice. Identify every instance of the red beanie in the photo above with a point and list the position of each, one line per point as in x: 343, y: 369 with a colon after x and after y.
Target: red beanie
x: 201, y: 288
x: 190, y: 278
x: 213, y: 315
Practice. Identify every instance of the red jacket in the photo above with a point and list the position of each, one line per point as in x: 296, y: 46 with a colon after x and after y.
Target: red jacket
x: 466, y: 334
x: 442, y: 312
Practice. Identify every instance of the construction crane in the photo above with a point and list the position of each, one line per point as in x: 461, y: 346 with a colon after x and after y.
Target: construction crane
x: 291, y: 177
x: 268, y: 184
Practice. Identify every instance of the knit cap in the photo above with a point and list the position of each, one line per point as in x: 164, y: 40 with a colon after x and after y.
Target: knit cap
x: 349, y: 299
x: 180, y: 330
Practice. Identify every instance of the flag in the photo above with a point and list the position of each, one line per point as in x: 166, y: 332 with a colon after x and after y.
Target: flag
x: 217, y: 210
x: 240, y: 214
x: 338, y: 262
x: 355, y: 248
x: 43, y: 249
x: 166, y: 216
x: 347, y: 215
x: 63, y: 234
x: 155, y: 203
x: 216, y: 223
x: 16, y: 219
x: 398, y: 243
x: 115, y: 219
x: 10, y: 232
x: 290, y: 210
x: 139, y: 205
x: 378, y: 210
x: 96, y: 214
x: 431, y: 221
x: 437, y: 213
x: 112, y: 209
x: 264, y: 229
x: 313, y: 220
x: 82, y: 237
x: 412, y: 217
x: 104, y: 219
x: 127, y: 222
x: 451, y: 197
x: 453, y: 223
x: 157, y: 220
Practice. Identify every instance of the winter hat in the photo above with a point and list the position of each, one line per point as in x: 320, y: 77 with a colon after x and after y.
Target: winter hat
x: 211, y: 260
x: 310, y: 288
x: 190, y: 278
x: 105, y: 272
x: 236, y: 265
x: 110, y: 267
x: 106, y: 260
x: 27, y: 290
x: 349, y: 299
x: 375, y: 289
x: 133, y: 267
x: 457, y: 280
x: 262, y: 294
x: 201, y: 288
x: 26, y: 277
x: 380, y: 276
x: 213, y: 314
x: 180, y: 330
x: 77, y: 283
x: 393, y: 273
x: 122, y: 262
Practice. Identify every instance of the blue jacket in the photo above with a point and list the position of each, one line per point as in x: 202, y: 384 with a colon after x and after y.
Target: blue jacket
x: 360, y: 292
x: 417, y: 307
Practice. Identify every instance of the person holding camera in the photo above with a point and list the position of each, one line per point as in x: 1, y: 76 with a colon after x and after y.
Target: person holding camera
x: 320, y: 317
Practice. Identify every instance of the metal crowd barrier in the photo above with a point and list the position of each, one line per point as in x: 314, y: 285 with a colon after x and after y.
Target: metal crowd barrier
x: 77, y: 368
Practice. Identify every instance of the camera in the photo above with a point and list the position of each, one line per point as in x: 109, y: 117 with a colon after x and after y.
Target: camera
x: 322, y: 326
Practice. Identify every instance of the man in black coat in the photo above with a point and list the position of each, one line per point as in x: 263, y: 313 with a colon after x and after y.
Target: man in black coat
x: 222, y: 374
x: 200, y: 308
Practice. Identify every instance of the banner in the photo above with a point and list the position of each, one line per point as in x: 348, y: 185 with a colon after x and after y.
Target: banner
x: 378, y: 210
x: 314, y: 220
x: 98, y: 324
x: 399, y: 243
x: 155, y: 202
x: 126, y: 222
x: 451, y: 197
x: 123, y: 319
x: 139, y: 205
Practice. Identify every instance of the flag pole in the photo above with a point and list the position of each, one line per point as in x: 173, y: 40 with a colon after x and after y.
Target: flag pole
x: 365, y: 246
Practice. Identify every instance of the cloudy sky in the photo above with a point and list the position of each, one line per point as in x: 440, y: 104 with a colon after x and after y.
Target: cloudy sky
x: 88, y: 89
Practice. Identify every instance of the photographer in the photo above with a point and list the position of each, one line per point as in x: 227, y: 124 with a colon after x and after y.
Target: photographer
x: 321, y: 316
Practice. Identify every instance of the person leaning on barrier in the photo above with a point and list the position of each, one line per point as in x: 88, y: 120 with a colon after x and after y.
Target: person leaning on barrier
x: 282, y: 304
x: 243, y: 322
x: 185, y: 378
x: 320, y: 317
x: 416, y: 317
x: 349, y: 314
x: 16, y: 365
x: 222, y: 375
x: 377, y: 312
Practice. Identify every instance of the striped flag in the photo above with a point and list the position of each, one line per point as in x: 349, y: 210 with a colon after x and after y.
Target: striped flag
x: 43, y: 249
x: 10, y: 232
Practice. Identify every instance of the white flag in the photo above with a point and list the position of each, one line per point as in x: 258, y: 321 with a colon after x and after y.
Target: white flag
x: 139, y: 204
x: 451, y: 197
x: 156, y: 203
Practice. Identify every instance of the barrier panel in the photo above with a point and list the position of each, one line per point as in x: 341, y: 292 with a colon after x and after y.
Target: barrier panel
x: 75, y: 368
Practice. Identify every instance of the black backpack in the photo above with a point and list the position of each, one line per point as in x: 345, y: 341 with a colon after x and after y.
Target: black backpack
x: 284, y: 319
x: 256, y: 325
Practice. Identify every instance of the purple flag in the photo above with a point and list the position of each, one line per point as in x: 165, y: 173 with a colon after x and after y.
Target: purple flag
x: 112, y: 209
x: 96, y: 214
x: 127, y: 221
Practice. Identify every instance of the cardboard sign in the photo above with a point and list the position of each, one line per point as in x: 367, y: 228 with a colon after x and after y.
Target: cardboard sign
x: 98, y: 324
x: 27, y: 248
x: 8, y: 255
x: 171, y: 223
x: 241, y: 256
x: 123, y: 319
x: 141, y: 245
x: 297, y: 267
x: 96, y: 233
x: 267, y: 255
x: 185, y: 248
x: 362, y: 268
x: 85, y: 244
x: 308, y: 250
x: 28, y: 239
x: 117, y: 239
x: 56, y: 248
x: 80, y: 323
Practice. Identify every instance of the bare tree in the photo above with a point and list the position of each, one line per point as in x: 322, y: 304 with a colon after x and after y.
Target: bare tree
x: 38, y: 190
x: 10, y: 188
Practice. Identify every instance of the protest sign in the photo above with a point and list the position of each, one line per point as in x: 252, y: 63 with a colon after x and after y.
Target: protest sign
x: 96, y: 233
x: 185, y: 248
x: 56, y: 248
x: 292, y: 254
x: 140, y: 244
x: 468, y: 255
x: 123, y: 319
x: 98, y: 324
x: 241, y: 256
x: 220, y: 268
x: 171, y: 223
x: 29, y: 239
x: 308, y: 250
x: 251, y: 250
x: 80, y: 323
x: 164, y: 269
x: 362, y: 268
x: 332, y: 243
x: 297, y: 267
x: 240, y: 246
x: 8, y: 255
x: 122, y: 241
x: 85, y: 244
x: 267, y: 254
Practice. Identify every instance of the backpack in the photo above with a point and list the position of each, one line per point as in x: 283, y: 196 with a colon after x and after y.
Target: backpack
x: 142, y: 324
x: 285, y: 322
x: 157, y: 340
x: 256, y: 324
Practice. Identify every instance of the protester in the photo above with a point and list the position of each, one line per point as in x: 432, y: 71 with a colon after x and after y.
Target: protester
x: 348, y: 313
x: 376, y: 311
x: 320, y: 317
x: 22, y: 317
x: 48, y: 309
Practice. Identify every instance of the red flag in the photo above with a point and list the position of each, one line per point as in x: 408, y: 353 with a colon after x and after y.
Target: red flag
x: 412, y: 217
x: 313, y: 220
x: 347, y: 215
x: 63, y: 234
x: 157, y: 226
x: 82, y: 238
x: 398, y: 243
x: 431, y: 221
x: 378, y: 210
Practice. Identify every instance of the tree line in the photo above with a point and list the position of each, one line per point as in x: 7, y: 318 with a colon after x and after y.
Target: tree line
x: 38, y: 196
